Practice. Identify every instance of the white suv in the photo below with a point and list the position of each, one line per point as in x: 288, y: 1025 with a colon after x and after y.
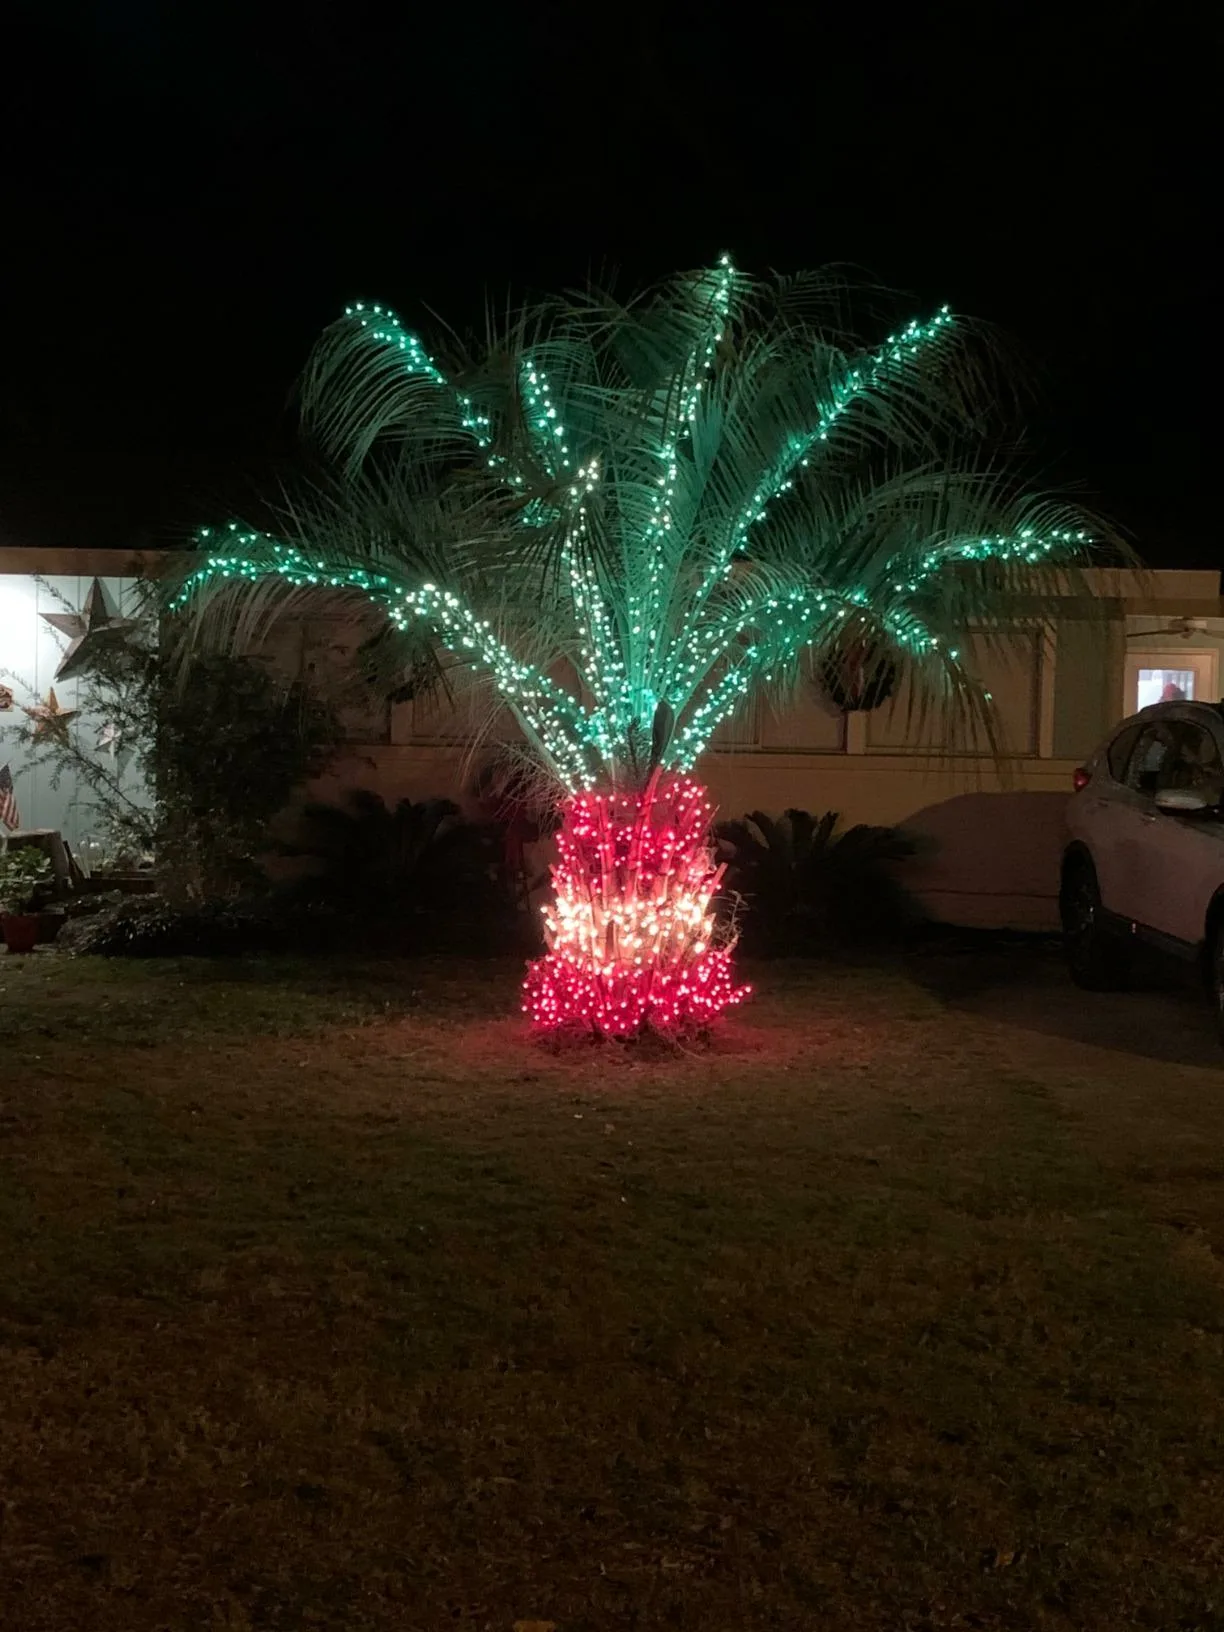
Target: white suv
x: 1146, y: 857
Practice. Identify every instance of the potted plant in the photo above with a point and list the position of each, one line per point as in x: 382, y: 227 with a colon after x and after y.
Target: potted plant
x: 21, y: 872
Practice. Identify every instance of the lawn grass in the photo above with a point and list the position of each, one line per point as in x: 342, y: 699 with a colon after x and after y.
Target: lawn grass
x: 330, y: 1300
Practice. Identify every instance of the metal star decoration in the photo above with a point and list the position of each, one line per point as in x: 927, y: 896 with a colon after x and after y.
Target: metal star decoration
x: 50, y: 720
x: 97, y: 621
x: 112, y: 741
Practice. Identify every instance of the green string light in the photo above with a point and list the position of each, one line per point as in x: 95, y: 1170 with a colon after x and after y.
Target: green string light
x: 662, y: 616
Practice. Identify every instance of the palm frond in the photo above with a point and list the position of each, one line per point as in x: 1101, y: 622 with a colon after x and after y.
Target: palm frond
x: 631, y: 514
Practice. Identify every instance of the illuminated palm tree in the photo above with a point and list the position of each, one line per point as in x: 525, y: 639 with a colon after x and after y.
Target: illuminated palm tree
x: 629, y: 518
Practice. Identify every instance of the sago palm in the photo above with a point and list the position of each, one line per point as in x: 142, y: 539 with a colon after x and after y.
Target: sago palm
x: 630, y: 516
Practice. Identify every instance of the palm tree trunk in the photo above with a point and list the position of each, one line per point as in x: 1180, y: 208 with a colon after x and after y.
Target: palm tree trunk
x: 632, y: 940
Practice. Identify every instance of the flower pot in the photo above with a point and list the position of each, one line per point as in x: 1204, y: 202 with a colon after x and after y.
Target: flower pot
x: 20, y: 930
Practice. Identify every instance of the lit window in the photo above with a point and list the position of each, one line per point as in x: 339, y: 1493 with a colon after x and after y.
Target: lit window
x: 1165, y: 686
x: 1174, y: 675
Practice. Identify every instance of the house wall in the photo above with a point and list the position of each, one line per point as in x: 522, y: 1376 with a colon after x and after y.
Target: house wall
x: 989, y: 819
x: 1088, y: 692
x: 989, y: 822
x: 990, y: 837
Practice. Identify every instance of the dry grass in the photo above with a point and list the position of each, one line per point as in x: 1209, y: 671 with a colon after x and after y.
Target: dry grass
x: 327, y: 1300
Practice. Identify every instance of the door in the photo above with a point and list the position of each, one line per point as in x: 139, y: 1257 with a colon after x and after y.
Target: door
x: 1118, y: 825
x: 1180, y: 858
x: 1102, y: 816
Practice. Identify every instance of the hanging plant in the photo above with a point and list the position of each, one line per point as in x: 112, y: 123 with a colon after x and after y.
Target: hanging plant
x: 860, y: 676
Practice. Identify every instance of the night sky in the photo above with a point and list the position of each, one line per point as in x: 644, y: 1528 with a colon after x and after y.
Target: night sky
x: 192, y: 190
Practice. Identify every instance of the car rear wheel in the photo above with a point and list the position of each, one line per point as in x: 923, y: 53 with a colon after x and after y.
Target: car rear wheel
x: 1098, y: 959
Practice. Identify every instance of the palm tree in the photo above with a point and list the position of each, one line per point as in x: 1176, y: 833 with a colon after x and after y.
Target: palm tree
x: 630, y: 517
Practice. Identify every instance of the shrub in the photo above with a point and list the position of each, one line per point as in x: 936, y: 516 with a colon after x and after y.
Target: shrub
x: 407, y: 878
x: 205, y: 749
x: 807, y: 890
x: 149, y: 927
x: 229, y: 744
x: 22, y: 870
x: 413, y: 874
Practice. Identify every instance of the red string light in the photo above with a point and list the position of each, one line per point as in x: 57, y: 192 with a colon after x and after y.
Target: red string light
x: 632, y: 940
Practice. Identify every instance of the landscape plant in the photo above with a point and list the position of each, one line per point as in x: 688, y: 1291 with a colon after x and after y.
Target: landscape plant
x: 22, y: 870
x: 798, y: 887
x: 412, y: 875
x: 631, y: 517
x: 183, y: 756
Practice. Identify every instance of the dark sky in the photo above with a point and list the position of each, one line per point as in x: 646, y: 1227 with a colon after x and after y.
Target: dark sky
x: 192, y: 189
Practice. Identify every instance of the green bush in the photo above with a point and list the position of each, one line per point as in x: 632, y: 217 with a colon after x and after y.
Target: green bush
x: 411, y: 878
x: 797, y: 888
x: 206, y: 749
x: 229, y: 744
x: 148, y: 927
x: 415, y: 874
x: 21, y: 872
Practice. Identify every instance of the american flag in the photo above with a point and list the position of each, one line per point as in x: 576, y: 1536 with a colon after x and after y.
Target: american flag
x: 9, y: 814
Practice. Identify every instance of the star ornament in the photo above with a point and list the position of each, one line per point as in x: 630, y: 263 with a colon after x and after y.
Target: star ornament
x: 96, y: 622
x: 112, y: 742
x: 50, y: 720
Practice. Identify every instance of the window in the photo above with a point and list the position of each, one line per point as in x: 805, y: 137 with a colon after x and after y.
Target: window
x: 741, y: 730
x: 331, y: 661
x: 1177, y: 755
x: 1164, y: 686
x: 1147, y: 761
x: 1194, y: 764
x: 1119, y: 751
x: 1173, y: 675
x: 1008, y: 666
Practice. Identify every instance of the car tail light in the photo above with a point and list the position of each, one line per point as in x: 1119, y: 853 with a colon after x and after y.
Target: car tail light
x: 1081, y: 778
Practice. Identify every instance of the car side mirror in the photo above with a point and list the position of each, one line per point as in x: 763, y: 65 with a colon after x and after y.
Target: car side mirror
x: 1182, y: 802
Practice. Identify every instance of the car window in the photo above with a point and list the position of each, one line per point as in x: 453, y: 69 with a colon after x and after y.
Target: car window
x: 1192, y: 763
x: 1144, y: 766
x: 1119, y: 751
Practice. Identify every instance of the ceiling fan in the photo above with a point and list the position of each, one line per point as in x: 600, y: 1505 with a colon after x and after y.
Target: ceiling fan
x: 1185, y: 627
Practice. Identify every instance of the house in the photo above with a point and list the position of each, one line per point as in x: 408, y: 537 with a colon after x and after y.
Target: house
x: 991, y: 821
